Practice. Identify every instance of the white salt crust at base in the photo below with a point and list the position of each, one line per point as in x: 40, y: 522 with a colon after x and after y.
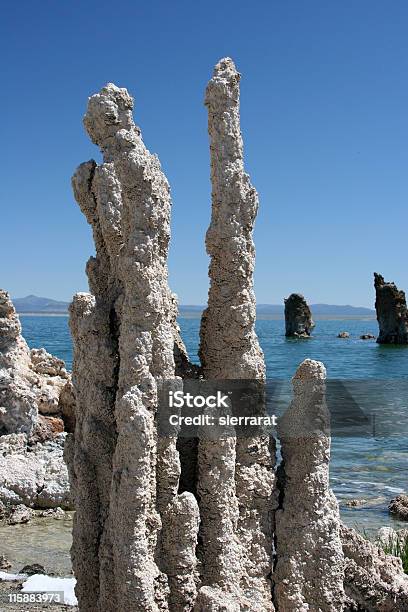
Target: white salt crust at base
x: 40, y: 583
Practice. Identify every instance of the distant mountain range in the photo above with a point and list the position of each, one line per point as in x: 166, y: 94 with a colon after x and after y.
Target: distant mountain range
x: 319, y: 309
x: 278, y: 310
x: 38, y: 305
x: 35, y: 304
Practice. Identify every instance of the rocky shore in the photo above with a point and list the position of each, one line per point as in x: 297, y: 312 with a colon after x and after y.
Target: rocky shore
x: 36, y: 410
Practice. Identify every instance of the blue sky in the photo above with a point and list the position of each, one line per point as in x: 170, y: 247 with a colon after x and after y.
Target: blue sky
x: 324, y: 110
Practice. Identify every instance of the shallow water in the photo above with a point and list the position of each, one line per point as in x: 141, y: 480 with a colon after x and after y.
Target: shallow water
x: 372, y: 467
x: 43, y: 540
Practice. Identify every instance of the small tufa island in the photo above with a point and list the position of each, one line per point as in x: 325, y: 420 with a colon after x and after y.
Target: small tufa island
x: 392, y: 313
x: 298, y: 317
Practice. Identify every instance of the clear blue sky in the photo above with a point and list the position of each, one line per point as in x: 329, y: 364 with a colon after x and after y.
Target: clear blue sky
x: 324, y: 108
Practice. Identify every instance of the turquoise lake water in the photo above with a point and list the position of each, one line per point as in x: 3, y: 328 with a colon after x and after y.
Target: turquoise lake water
x: 371, y: 467
x: 348, y: 359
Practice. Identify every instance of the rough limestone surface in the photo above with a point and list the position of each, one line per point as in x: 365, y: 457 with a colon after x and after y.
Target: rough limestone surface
x: 35, y: 476
x: 20, y: 514
x: 67, y: 406
x: 130, y: 550
x: 310, y: 562
x: 388, y: 535
x: 373, y: 580
x: 53, y: 378
x: 32, y: 469
x: 30, y: 381
x: 94, y: 328
x: 236, y: 478
x: 398, y: 507
x: 392, y: 313
x: 298, y: 317
x: 18, y: 388
x: 46, y: 428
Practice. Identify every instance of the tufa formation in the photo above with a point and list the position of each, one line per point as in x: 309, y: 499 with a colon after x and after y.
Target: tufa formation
x: 235, y: 475
x: 36, y: 409
x: 31, y: 381
x: 309, y: 571
x: 298, y: 317
x: 132, y: 549
x: 392, y: 313
x: 209, y: 524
